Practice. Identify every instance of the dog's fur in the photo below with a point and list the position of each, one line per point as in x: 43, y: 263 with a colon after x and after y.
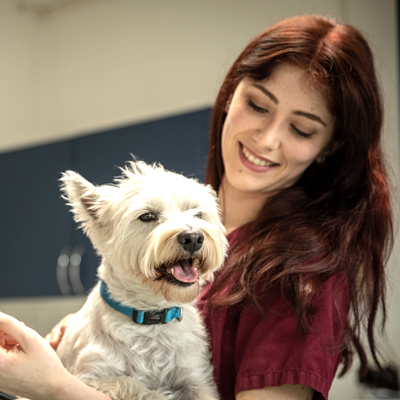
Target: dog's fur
x: 105, y: 348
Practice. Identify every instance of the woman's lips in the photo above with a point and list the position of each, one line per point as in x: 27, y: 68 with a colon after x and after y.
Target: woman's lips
x: 253, y: 162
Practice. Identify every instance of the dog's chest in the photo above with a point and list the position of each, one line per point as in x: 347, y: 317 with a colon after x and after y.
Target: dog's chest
x: 151, y: 351
x: 157, y: 354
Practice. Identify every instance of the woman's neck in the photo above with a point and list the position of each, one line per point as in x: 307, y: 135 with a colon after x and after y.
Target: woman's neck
x: 238, y: 208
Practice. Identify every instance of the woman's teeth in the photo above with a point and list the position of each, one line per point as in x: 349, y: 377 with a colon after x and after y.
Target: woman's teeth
x: 256, y: 160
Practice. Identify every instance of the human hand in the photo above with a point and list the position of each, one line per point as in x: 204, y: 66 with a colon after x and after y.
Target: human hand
x: 56, y: 334
x: 29, y: 367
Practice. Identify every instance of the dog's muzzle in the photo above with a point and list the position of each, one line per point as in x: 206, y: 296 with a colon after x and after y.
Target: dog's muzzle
x: 183, y: 271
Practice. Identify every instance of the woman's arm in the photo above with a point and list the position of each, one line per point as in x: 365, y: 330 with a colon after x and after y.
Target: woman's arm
x: 29, y: 367
x: 284, y: 392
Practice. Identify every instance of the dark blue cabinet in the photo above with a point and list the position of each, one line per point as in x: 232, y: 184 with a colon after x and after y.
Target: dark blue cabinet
x: 36, y: 225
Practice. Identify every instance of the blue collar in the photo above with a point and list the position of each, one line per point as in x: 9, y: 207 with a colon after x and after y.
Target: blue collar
x: 141, y: 317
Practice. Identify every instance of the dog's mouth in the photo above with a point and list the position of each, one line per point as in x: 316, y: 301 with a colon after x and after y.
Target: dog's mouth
x: 181, y: 272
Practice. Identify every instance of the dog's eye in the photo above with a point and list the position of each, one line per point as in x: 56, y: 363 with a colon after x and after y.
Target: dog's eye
x: 199, y: 215
x: 148, y: 217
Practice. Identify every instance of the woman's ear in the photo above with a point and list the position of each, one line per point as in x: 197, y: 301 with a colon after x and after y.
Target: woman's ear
x: 332, y: 148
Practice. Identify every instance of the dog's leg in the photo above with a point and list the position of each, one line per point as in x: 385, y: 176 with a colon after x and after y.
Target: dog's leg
x: 190, y: 394
x: 206, y: 396
x: 193, y: 391
x: 125, y: 388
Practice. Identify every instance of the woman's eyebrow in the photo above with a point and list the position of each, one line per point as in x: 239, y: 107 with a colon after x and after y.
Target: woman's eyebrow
x: 300, y: 113
x: 310, y: 116
x: 266, y: 92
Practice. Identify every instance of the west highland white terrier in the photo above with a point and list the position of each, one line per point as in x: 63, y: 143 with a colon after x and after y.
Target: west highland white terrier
x: 139, y: 335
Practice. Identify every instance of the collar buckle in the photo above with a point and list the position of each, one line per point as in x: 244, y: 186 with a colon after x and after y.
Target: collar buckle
x: 149, y: 317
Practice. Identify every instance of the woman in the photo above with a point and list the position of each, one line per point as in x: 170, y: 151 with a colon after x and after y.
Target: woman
x: 295, y: 157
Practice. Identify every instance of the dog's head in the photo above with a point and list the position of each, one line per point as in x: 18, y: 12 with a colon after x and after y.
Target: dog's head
x: 152, y: 225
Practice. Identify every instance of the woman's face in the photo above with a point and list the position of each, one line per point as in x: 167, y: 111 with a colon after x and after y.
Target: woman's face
x: 274, y: 130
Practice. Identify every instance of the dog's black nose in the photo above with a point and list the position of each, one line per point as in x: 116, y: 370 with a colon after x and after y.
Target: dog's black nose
x: 191, y: 241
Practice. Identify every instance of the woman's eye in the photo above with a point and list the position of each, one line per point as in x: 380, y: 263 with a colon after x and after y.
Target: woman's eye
x: 256, y: 107
x: 148, y: 217
x: 301, y: 133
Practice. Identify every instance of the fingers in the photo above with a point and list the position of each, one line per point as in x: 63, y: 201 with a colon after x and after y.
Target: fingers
x: 56, y: 334
x: 7, y: 342
x: 13, y: 330
x: 6, y: 339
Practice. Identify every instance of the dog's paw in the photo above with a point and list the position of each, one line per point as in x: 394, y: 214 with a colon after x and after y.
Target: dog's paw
x: 125, y: 388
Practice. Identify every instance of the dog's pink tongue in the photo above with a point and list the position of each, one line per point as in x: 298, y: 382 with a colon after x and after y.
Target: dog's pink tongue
x: 183, y: 271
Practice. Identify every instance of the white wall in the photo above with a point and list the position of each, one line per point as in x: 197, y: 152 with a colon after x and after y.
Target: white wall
x: 102, y: 63
x: 17, y: 76
x: 99, y: 64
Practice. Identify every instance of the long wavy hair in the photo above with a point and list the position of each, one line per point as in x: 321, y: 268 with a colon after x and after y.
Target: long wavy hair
x: 337, y: 218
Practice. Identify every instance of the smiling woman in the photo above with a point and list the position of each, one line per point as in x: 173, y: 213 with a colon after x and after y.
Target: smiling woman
x: 296, y: 158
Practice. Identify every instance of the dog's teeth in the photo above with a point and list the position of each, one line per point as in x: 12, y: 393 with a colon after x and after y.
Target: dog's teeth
x: 172, y: 270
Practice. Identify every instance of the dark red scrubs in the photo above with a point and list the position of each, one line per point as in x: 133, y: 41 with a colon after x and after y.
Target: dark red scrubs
x: 251, y: 352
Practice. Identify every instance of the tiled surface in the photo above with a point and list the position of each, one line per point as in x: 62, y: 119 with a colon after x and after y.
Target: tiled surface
x: 41, y: 314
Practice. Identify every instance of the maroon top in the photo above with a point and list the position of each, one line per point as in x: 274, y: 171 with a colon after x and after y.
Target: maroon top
x: 252, y: 352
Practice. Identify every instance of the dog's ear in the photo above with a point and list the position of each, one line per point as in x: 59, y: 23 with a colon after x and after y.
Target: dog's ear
x: 83, y: 197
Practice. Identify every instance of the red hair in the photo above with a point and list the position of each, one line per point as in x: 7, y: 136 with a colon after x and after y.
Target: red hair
x: 337, y: 218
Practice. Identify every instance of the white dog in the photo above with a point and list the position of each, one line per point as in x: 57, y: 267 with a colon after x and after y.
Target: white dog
x: 139, y: 336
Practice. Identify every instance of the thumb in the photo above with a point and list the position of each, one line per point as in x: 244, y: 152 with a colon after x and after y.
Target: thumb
x: 12, y: 327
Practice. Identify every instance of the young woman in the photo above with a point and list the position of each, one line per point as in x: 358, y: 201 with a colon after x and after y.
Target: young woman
x: 296, y: 159
x: 295, y: 156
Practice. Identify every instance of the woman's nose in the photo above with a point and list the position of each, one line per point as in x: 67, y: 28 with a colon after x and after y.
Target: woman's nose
x: 269, y: 137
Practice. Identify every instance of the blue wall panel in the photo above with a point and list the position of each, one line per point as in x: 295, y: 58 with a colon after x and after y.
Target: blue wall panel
x: 36, y: 223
